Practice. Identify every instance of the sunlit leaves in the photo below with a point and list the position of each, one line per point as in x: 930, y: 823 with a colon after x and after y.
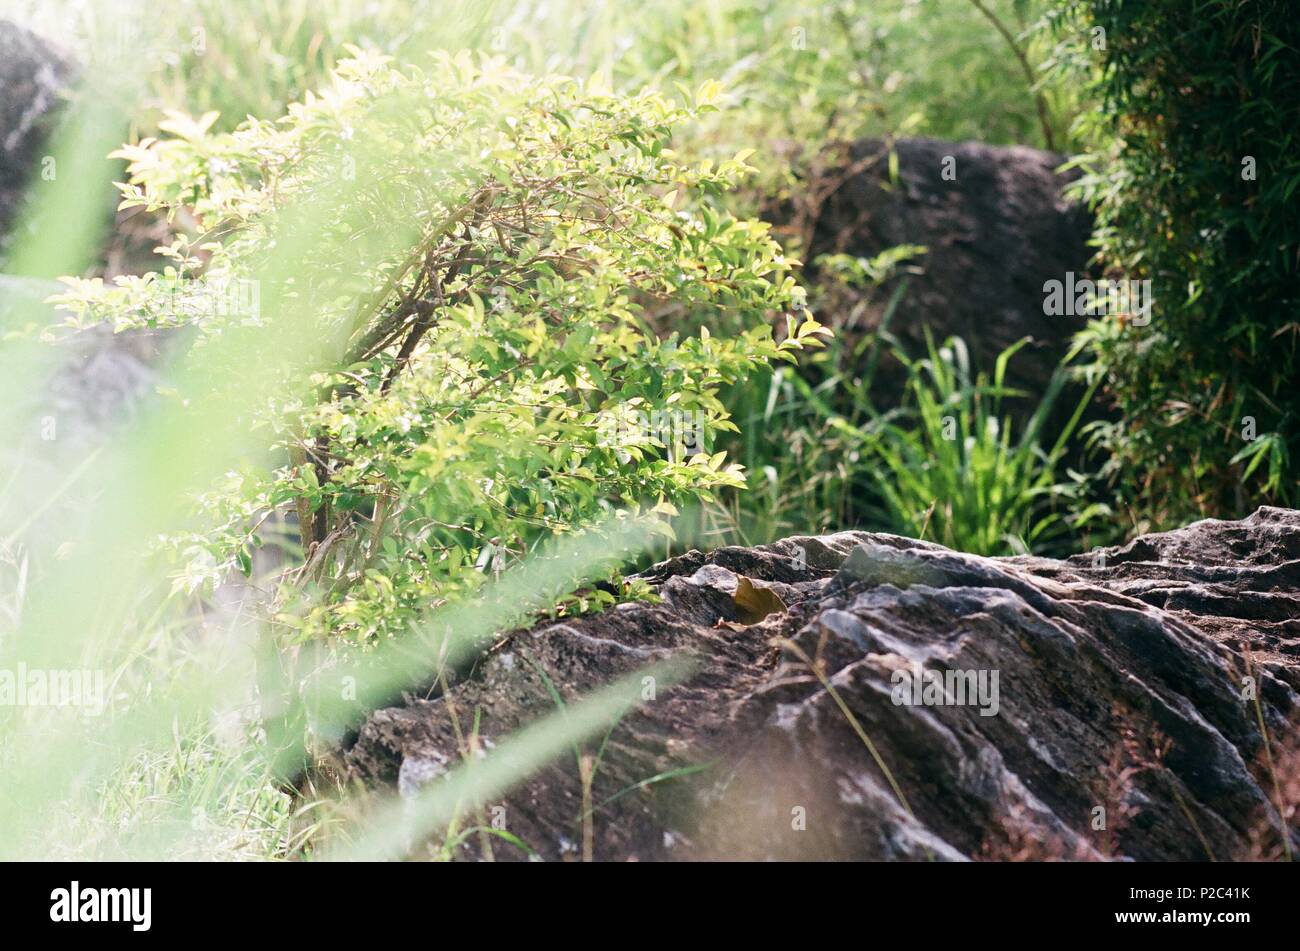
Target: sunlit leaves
x: 485, y: 358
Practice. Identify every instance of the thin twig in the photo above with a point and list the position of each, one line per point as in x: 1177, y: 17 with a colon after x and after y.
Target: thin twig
x: 1040, y: 101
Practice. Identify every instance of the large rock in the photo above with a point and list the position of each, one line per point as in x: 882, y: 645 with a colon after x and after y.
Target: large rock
x: 1124, y: 684
x: 33, y: 76
x: 100, y: 377
x: 996, y: 225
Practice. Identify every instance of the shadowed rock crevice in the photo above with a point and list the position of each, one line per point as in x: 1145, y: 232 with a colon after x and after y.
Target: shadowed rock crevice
x: 1120, y: 685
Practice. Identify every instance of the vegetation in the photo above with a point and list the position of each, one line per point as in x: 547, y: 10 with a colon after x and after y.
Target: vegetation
x: 480, y: 310
x: 1192, y: 174
x: 497, y: 379
x: 954, y: 472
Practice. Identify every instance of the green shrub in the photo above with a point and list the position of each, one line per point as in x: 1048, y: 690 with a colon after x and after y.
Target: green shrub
x: 1193, y: 180
x: 499, y: 382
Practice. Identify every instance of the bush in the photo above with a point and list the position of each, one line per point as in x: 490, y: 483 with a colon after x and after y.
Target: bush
x: 1193, y: 180
x: 492, y: 248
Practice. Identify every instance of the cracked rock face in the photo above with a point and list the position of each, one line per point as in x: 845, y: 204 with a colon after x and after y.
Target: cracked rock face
x: 904, y: 701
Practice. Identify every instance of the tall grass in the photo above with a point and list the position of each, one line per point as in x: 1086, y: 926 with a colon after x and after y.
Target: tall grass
x: 832, y: 446
x: 958, y: 473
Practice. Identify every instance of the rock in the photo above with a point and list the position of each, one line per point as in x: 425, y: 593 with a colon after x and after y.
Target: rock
x: 97, y: 380
x: 981, y: 707
x: 101, y: 378
x: 35, y: 80
x: 103, y: 385
x: 995, y: 232
x: 33, y: 76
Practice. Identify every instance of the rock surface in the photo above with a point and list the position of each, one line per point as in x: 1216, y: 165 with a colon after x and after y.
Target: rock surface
x: 1121, y: 686
x: 101, y: 377
x: 96, y: 383
x: 997, y: 227
x: 33, y: 76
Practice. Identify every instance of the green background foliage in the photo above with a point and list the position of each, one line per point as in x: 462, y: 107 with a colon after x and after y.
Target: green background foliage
x: 1193, y: 176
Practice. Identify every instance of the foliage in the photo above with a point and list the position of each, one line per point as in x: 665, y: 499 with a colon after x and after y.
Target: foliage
x: 945, y: 461
x: 798, y: 76
x: 577, y: 293
x: 1193, y: 177
x: 802, y: 474
x: 806, y: 73
x: 499, y: 381
x: 956, y: 474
